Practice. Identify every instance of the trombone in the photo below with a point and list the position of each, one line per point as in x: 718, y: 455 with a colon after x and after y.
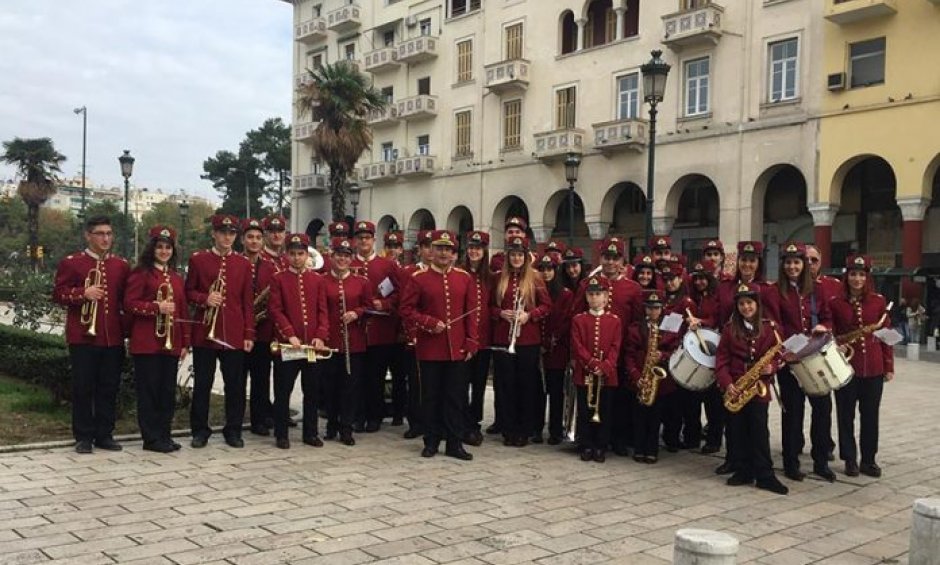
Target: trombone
x: 212, y: 312
x: 164, y: 327
x: 89, y: 315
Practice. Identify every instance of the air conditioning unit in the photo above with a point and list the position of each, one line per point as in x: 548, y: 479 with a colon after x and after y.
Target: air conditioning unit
x: 411, y: 21
x: 835, y: 82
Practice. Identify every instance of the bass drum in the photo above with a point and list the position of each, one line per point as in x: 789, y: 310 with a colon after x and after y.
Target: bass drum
x: 821, y: 368
x: 690, y: 366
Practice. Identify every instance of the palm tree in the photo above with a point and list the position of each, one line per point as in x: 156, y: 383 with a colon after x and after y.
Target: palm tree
x: 37, y: 162
x: 340, y: 98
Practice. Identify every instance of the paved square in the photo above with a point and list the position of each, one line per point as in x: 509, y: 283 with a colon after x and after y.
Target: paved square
x: 380, y: 502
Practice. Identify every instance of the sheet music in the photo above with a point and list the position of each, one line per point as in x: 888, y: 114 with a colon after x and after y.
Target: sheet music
x: 795, y: 343
x: 672, y: 323
x: 386, y: 287
x: 890, y: 336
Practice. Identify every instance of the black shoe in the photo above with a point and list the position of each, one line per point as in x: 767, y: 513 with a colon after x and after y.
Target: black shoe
x: 600, y: 456
x: 347, y: 439
x: 773, y: 485
x: 794, y: 474
x: 108, y: 444
x: 83, y: 446
x: 621, y: 450
x: 738, y: 479
x: 330, y: 435
x: 176, y: 446
x: 359, y: 428
x: 315, y: 441
x: 521, y: 441
x: 282, y: 443
x: 554, y: 440
x: 851, y: 469
x: 159, y: 447
x: 724, y: 469
x: 825, y: 473
x: 260, y: 430
x: 639, y: 458
x: 412, y: 433
x: 650, y: 459
x: 473, y: 438
x: 587, y: 454
x: 493, y: 430
x: 199, y: 441
x: 672, y: 448
x: 234, y: 441
x: 398, y: 421
x: 870, y: 469
x: 710, y: 448
x: 459, y: 453
x: 537, y: 438
x: 428, y: 451
x: 373, y: 427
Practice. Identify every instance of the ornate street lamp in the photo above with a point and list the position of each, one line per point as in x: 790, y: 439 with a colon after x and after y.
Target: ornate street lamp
x: 127, y: 169
x: 572, y: 163
x: 654, y: 87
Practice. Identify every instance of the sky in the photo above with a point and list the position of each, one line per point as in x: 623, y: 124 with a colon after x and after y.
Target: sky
x: 173, y: 81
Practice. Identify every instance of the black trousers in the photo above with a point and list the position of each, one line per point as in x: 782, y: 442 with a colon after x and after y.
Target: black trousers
x: 155, y: 380
x: 594, y: 435
x: 622, y: 421
x: 715, y: 415
x: 413, y: 375
x: 258, y: 369
x: 671, y: 417
x: 866, y: 394
x: 399, y: 382
x: 538, y: 403
x: 791, y: 422
x: 520, y: 376
x: 443, y: 401
x: 479, y: 368
x: 342, y: 390
x: 96, y: 377
x: 752, y: 441
x: 555, y: 392
x: 285, y: 375
x: 372, y: 391
x: 646, y: 424
x: 231, y: 362
x: 690, y: 415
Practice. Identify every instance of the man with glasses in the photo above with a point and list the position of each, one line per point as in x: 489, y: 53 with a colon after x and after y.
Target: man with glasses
x: 829, y: 287
x: 90, y: 285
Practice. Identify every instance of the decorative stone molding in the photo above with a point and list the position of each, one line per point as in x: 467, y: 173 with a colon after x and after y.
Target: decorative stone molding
x: 823, y: 213
x: 913, y: 209
x: 663, y: 224
x: 598, y: 230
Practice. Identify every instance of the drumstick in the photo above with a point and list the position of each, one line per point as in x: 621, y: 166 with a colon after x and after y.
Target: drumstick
x: 460, y: 317
x: 703, y: 345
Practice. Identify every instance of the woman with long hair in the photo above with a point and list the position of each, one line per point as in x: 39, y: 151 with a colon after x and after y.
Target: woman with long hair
x: 556, y: 331
x: 519, y: 302
x: 574, y: 270
x: 476, y: 261
x: 158, y: 342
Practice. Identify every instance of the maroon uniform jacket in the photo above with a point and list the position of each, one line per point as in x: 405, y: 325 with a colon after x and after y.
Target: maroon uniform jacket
x: 726, y: 303
x: 873, y: 357
x: 678, y: 304
x: 140, y: 303
x: 635, y: 354
x: 484, y: 294
x: 280, y: 261
x: 407, y: 330
x: 69, y: 291
x: 624, y: 296
x: 706, y: 308
x: 236, y: 320
x: 433, y: 296
x: 595, y: 346
x: 738, y: 354
x: 381, y: 330
x: 796, y: 312
x: 262, y: 271
x: 529, y: 333
x: 357, y: 292
x: 830, y: 287
x: 556, y: 332
x: 297, y: 307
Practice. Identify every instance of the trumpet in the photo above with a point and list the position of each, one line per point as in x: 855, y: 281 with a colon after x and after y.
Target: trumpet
x: 595, y: 383
x: 164, y: 327
x: 212, y: 312
x: 313, y: 354
x: 89, y: 315
x: 515, y: 328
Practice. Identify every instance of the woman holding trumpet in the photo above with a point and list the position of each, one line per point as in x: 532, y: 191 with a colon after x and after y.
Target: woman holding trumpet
x: 518, y: 300
x: 156, y: 301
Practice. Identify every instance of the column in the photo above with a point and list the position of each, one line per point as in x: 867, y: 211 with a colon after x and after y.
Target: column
x: 912, y: 243
x: 618, y: 34
x: 925, y: 532
x: 704, y: 547
x: 581, y: 22
x: 662, y: 225
x: 823, y: 214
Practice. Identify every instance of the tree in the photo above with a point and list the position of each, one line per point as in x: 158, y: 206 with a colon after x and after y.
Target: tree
x: 340, y: 98
x: 167, y: 213
x: 227, y: 172
x: 37, y: 162
x: 271, y: 145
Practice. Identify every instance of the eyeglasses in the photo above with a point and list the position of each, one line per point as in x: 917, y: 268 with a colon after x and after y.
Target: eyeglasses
x: 814, y: 259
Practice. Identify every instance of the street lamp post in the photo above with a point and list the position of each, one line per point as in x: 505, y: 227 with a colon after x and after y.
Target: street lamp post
x: 84, y: 112
x: 354, y: 193
x: 654, y: 87
x: 184, y: 214
x: 572, y: 163
x: 127, y: 169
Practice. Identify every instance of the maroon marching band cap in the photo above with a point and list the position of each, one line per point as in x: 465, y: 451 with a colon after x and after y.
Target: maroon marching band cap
x: 714, y: 244
x: 517, y: 243
x: 393, y: 238
x: 478, y: 237
x: 445, y: 238
x: 793, y: 249
x: 225, y: 222
x: 251, y: 224
x: 747, y: 290
x: 424, y: 237
x: 341, y: 245
x: 337, y: 229
x: 274, y: 222
x: 643, y: 261
x: 652, y: 298
x: 703, y: 268
x: 750, y: 248
x: 597, y: 284
x: 573, y: 254
x: 517, y: 221
x: 858, y: 263
x: 670, y: 271
x: 163, y: 233
x: 547, y: 261
x: 364, y: 226
x: 613, y: 246
x: 298, y: 241
x: 556, y: 246
x: 658, y: 242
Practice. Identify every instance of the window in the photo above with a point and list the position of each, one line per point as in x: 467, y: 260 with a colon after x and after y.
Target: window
x: 424, y: 85
x: 565, y: 99
x: 349, y: 51
x: 425, y: 26
x: 784, y: 57
x: 424, y: 145
x: 514, y: 42
x: 696, y: 87
x: 463, y: 133
x: 316, y: 61
x: 317, y: 10
x: 693, y: 4
x: 867, y: 62
x: 388, y: 38
x: 461, y: 7
x: 628, y: 96
x: 464, y: 61
x: 512, y: 124
x: 388, y: 93
x: 610, y: 30
x: 388, y: 152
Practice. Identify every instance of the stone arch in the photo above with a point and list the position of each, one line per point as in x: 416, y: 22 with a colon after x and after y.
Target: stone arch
x: 678, y: 192
x: 421, y: 219
x: 932, y: 178
x: 869, y: 219
x: 508, y: 206
x: 567, y: 33
x: 556, y: 216
x: 460, y: 221
x: 623, y: 211
x: 780, y: 213
x: 838, y: 178
x: 385, y: 224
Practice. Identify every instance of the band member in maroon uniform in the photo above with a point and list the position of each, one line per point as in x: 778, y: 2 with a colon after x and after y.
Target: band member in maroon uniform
x: 258, y: 361
x: 861, y: 307
x: 477, y: 262
x: 422, y: 258
x: 156, y: 300
x: 334, y: 229
x: 520, y: 300
x: 556, y: 250
x: 394, y: 246
x: 515, y: 226
x: 90, y: 285
x: 645, y: 275
x: 299, y: 315
x: 275, y: 230
x: 744, y: 341
x: 714, y: 251
x: 573, y: 268
x: 381, y: 327
x: 394, y: 251
x: 595, y: 347
x: 348, y: 296
x: 556, y: 338
x: 704, y: 292
x: 218, y: 284
x: 660, y: 247
x: 682, y: 411
x: 441, y: 303
x: 830, y: 287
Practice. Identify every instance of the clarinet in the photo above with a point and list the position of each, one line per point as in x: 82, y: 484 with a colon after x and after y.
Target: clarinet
x: 344, y: 328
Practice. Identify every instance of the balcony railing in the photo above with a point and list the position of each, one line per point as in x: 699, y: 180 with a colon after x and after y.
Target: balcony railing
x: 555, y: 144
x: 384, y: 59
x: 383, y: 171
x: 417, y: 107
x: 419, y: 165
x: 312, y: 181
x: 304, y: 131
x: 417, y: 49
x: 302, y: 79
x: 310, y: 31
x: 693, y: 28
x: 507, y: 76
x: 630, y: 133
x: 385, y: 116
x: 844, y: 12
x: 344, y: 19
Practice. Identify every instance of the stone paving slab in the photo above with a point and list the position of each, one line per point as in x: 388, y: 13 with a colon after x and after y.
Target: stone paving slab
x: 379, y: 502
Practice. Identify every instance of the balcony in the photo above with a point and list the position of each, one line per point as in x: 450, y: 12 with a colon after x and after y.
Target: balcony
x: 417, y: 49
x: 310, y: 31
x: 344, y: 19
x: 844, y: 12
x: 384, y: 59
x: 385, y: 116
x: 312, y: 181
x: 507, y: 76
x: 304, y: 131
x: 554, y: 145
x: 302, y: 79
x: 378, y: 172
x: 618, y: 135
x: 693, y: 28
x: 417, y: 107
x: 418, y: 166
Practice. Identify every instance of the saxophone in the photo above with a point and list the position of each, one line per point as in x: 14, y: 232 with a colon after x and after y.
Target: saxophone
x: 852, y: 336
x: 750, y: 383
x: 260, y: 304
x: 653, y: 374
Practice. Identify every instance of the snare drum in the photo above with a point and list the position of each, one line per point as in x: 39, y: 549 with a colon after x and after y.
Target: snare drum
x: 821, y: 367
x: 692, y: 368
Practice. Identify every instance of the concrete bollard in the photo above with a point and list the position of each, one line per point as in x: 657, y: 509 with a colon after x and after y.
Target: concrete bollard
x: 931, y: 343
x: 704, y: 547
x: 913, y: 352
x: 925, y: 533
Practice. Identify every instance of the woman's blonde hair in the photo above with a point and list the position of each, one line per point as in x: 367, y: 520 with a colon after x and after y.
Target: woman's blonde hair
x: 528, y: 280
